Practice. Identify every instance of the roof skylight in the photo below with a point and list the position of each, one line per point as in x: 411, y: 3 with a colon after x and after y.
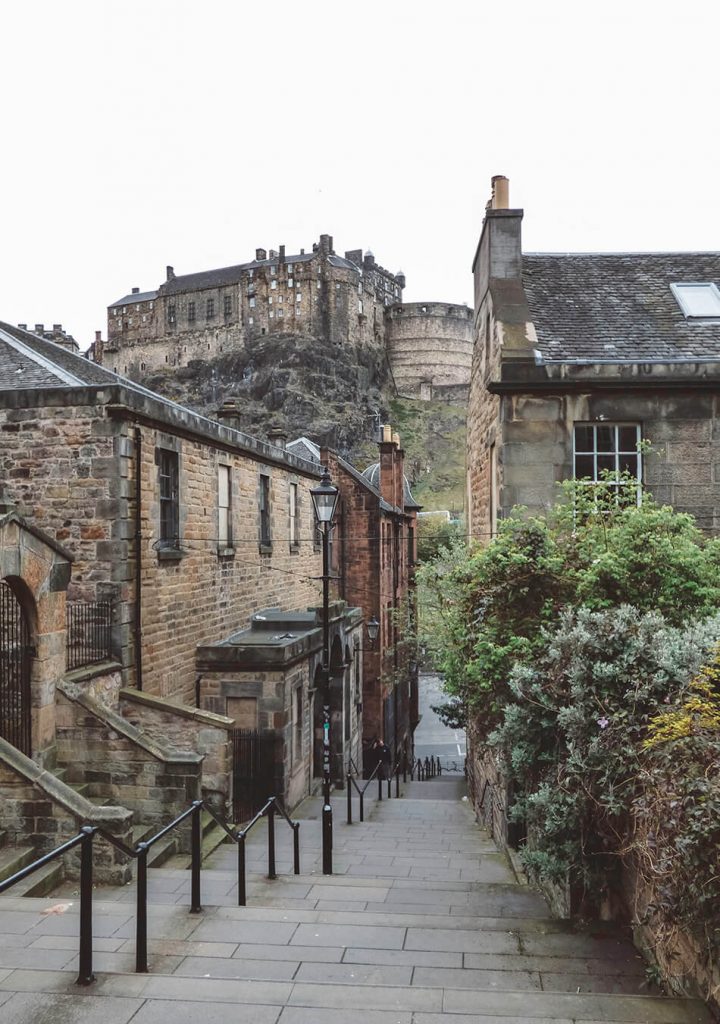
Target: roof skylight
x: 698, y: 300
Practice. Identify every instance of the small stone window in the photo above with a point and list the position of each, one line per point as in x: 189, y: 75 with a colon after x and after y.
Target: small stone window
x: 210, y: 309
x: 251, y: 303
x: 273, y: 284
x: 191, y: 312
x: 297, y: 725
x: 227, y: 305
x: 171, y: 313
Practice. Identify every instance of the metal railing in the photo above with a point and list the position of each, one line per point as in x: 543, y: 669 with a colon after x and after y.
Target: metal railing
x: 88, y: 633
x: 430, y: 768
x: 351, y: 781
x: 84, y: 839
x: 269, y: 810
x: 381, y: 773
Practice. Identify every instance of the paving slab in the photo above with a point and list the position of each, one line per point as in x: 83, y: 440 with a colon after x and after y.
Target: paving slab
x: 371, y: 997
x: 321, y: 1015
x: 39, y: 1008
x: 293, y: 952
x: 162, y: 1011
x: 355, y: 974
x: 349, y: 935
x: 238, y: 968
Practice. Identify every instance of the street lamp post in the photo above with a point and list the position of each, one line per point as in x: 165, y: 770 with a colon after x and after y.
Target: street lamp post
x: 324, y: 500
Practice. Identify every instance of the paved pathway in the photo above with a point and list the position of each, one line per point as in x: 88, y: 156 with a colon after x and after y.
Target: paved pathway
x: 422, y: 923
x: 431, y: 737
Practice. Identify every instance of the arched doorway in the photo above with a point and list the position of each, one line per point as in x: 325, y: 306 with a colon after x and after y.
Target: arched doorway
x: 15, y: 671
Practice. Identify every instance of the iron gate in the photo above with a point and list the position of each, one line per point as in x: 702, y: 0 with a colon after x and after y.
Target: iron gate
x: 257, y: 771
x: 15, y: 661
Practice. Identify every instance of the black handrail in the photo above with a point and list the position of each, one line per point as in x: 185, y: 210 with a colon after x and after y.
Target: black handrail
x: 352, y: 781
x: 268, y: 810
x: 85, y: 838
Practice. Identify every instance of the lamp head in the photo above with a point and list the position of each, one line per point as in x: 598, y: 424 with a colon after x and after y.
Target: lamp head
x: 324, y: 499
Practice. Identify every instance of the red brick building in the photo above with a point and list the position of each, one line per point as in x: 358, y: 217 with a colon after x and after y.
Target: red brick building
x: 373, y: 556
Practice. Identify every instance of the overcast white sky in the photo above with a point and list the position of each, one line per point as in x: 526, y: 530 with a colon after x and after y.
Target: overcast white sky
x: 140, y: 133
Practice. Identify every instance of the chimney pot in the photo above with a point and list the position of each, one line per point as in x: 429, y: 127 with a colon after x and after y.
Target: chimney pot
x: 387, y: 433
x: 136, y: 291
x: 396, y: 439
x: 500, y: 192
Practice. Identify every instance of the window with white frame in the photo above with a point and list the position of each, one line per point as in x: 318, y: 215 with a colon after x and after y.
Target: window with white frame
x: 224, y: 507
x: 294, y: 535
x: 698, y: 300
x: 607, y: 451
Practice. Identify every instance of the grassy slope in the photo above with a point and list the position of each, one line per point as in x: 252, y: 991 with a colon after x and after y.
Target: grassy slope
x: 433, y: 436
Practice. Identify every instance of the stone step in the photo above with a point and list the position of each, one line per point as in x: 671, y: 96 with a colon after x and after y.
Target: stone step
x: 13, y: 858
x: 308, y: 1000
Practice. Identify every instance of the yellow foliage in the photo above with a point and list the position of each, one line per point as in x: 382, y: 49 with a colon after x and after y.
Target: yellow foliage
x: 699, y: 710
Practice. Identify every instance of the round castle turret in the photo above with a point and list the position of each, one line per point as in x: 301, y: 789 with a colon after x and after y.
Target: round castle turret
x: 430, y: 347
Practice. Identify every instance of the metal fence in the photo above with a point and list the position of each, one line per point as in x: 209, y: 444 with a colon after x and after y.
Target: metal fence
x: 88, y: 633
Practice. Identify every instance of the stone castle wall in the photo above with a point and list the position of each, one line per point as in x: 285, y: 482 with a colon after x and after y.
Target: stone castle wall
x: 429, y: 346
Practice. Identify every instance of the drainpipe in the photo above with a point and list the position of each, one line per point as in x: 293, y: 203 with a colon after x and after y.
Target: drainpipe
x: 137, y: 625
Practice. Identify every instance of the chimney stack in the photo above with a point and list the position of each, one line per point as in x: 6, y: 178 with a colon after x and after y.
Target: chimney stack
x: 57, y: 328
x: 98, y: 337
x: 500, y: 199
x: 282, y: 253
x: 23, y: 327
x: 260, y: 254
x: 39, y: 328
x: 136, y: 291
x: 170, y: 275
x: 230, y: 413
x: 388, y: 469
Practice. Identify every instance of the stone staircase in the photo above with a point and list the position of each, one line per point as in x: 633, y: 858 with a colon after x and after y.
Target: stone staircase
x: 423, y: 922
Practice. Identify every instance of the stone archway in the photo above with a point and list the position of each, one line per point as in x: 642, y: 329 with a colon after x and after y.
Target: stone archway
x: 16, y: 654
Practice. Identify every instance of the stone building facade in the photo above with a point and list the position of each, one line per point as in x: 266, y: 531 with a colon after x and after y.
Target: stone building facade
x: 187, y: 526
x: 577, y: 359
x: 349, y: 301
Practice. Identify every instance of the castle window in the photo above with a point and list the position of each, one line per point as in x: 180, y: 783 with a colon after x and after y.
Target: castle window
x: 273, y: 284
x: 273, y: 271
x: 279, y: 298
x: 191, y: 311
x: 360, y: 306
x: 337, y: 286
x: 210, y: 308
x: 227, y: 305
x: 130, y: 320
x: 290, y: 282
x: 270, y: 300
x: 271, y: 314
x: 252, y: 302
x: 318, y: 282
x: 251, y: 320
x: 280, y: 312
x: 171, y: 313
x: 298, y: 296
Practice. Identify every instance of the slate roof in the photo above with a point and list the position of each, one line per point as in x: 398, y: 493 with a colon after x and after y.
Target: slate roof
x: 304, y: 448
x: 618, y: 307
x: 224, y: 275
x: 128, y: 300
x: 28, y: 361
